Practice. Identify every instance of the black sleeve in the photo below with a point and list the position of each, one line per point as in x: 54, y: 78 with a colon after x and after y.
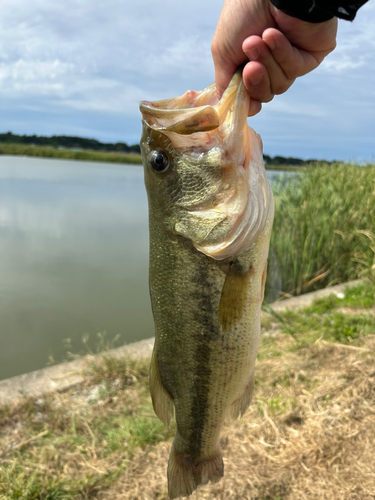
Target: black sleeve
x: 318, y: 11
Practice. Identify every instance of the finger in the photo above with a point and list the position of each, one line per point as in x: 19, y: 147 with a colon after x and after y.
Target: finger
x: 256, y: 81
x: 222, y: 80
x: 224, y: 70
x: 293, y: 61
x: 254, y: 108
x: 225, y: 63
x: 256, y: 49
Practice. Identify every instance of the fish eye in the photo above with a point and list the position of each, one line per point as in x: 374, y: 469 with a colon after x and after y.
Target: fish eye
x: 159, y: 161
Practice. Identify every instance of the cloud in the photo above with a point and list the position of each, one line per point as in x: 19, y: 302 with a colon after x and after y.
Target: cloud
x: 105, y: 58
x: 355, y: 43
x: 290, y: 107
x: 342, y: 63
x: 81, y: 67
x: 40, y: 77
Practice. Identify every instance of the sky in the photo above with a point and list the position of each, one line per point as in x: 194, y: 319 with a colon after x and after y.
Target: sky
x: 80, y: 67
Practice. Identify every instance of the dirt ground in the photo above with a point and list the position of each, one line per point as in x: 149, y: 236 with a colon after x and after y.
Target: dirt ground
x: 309, y: 434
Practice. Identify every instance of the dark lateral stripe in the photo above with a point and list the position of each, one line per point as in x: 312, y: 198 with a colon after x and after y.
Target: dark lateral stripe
x: 205, y: 332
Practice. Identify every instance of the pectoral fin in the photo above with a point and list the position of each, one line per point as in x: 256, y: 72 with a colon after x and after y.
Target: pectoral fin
x: 162, y: 401
x: 234, y: 297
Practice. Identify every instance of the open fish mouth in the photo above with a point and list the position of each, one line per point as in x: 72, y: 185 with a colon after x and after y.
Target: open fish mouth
x: 201, y: 111
x: 199, y: 121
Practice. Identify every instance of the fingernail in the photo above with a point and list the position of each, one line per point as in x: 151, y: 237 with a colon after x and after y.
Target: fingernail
x: 252, y: 54
x: 271, y: 44
x: 256, y: 79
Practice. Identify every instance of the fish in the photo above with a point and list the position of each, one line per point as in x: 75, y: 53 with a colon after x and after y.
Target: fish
x: 210, y: 218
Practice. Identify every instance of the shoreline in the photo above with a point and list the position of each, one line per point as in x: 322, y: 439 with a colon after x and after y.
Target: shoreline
x: 68, y: 154
x: 97, y: 156
x: 65, y: 375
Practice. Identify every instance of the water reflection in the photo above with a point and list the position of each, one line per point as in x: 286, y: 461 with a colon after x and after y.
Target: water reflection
x: 73, y: 258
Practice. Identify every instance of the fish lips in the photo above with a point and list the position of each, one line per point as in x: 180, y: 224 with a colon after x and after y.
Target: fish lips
x: 201, y: 112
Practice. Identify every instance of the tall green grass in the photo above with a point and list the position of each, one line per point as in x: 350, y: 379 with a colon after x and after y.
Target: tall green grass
x: 67, y: 154
x: 324, y: 228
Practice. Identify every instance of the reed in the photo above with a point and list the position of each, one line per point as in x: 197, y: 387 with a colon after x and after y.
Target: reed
x: 324, y: 225
x: 67, y: 154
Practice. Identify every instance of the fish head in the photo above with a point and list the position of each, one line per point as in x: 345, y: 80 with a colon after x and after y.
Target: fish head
x: 204, y: 171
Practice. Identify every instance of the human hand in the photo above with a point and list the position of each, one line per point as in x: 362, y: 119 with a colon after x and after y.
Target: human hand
x: 280, y: 48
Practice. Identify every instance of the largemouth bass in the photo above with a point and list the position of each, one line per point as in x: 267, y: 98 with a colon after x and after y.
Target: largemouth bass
x: 210, y: 217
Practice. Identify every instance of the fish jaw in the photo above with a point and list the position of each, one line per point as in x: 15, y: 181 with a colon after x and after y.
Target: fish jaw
x: 207, y: 133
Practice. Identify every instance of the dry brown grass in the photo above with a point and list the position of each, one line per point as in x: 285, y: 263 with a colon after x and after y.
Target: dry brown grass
x: 309, y: 434
x: 70, y: 445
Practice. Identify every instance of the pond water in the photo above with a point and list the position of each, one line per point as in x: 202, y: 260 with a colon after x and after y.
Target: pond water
x: 73, y: 259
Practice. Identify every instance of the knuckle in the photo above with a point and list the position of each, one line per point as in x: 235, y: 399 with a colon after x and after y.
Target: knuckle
x: 280, y: 87
x: 263, y: 96
x: 268, y: 98
x: 292, y: 71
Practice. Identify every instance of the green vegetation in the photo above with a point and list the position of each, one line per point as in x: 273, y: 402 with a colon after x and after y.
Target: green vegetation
x: 67, y: 154
x: 324, y: 228
x: 347, y: 321
x: 281, y: 161
x: 68, y: 142
x: 284, y: 167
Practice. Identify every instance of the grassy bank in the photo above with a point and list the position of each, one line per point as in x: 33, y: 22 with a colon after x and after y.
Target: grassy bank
x: 324, y: 228
x: 66, y: 154
x: 312, y: 418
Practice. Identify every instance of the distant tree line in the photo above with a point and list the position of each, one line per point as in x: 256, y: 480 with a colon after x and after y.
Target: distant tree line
x: 68, y: 142
x: 281, y: 160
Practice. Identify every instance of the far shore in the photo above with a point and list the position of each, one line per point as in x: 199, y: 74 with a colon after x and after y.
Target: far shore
x: 68, y: 154
x: 90, y: 155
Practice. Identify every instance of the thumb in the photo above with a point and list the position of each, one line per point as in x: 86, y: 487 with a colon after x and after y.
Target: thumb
x: 224, y: 70
x: 223, y: 76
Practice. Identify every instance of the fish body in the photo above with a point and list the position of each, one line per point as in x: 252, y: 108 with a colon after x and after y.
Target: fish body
x: 210, y: 218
